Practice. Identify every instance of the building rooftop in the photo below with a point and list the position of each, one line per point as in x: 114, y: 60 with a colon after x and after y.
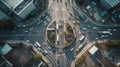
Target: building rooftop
x: 93, y: 50
x: 110, y: 3
x: 22, y: 5
x: 2, y: 15
x: 12, y: 3
x: 5, y: 49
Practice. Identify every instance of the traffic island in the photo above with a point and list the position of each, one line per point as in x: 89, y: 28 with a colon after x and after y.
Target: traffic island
x: 60, y: 35
x: 69, y: 34
x: 51, y: 33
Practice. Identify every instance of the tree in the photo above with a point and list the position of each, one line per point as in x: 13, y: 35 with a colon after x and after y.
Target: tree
x: 8, y: 24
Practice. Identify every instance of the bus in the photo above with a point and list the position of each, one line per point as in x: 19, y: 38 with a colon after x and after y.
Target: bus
x: 105, y: 32
x: 57, y: 37
x: 82, y: 38
x: 38, y: 44
x: 57, y: 26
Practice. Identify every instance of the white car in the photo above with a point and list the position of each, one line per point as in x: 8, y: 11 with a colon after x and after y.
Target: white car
x: 49, y: 48
x: 31, y: 28
x: 96, y: 38
x: 46, y: 51
x: 85, y: 21
x: 35, y: 45
x: 73, y: 21
x: 27, y: 40
x: 24, y: 25
x: 44, y: 43
x: 26, y: 31
x: 13, y: 31
x: 39, y: 48
x: 45, y: 23
x: 84, y: 28
x: 71, y: 49
x: 94, y: 27
x: 48, y: 19
x: 114, y: 29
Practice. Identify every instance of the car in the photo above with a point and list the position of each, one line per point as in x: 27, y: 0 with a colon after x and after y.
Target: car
x: 104, y: 32
x: 114, y: 29
x: 45, y: 51
x: 84, y: 28
x: 88, y: 7
x: 49, y: 48
x: 77, y: 17
x: 13, y: 31
x: 48, y: 19
x: 39, y: 48
x: 60, y: 33
x: 45, y: 23
x: 35, y: 45
x: 84, y: 10
x: 73, y: 21
x: 40, y: 22
x: 44, y: 43
x: 109, y: 29
x: 94, y: 27
x: 88, y: 26
x: 27, y: 40
x: 31, y: 28
x: 24, y: 25
x: 71, y: 49
x: 86, y: 21
x: 26, y: 31
x: 103, y: 20
x: 70, y: 14
x: 110, y: 33
x: 104, y: 36
x: 96, y: 38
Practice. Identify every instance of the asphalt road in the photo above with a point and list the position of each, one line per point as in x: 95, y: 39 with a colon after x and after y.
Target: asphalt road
x: 61, y: 10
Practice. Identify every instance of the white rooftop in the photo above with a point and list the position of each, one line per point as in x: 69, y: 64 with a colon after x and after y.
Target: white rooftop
x: 12, y: 3
x: 93, y: 50
x: 5, y: 49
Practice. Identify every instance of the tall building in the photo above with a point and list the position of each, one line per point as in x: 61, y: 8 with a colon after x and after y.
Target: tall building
x: 17, y: 8
x: 108, y: 4
x: 2, y: 15
x: 112, y: 7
